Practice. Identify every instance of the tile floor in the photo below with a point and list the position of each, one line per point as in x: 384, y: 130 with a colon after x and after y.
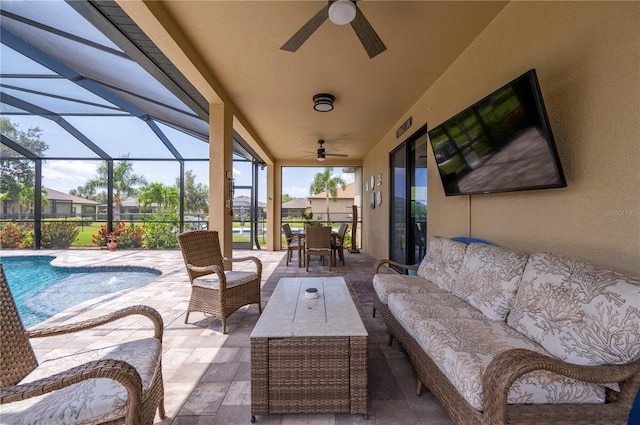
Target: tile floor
x: 206, y: 374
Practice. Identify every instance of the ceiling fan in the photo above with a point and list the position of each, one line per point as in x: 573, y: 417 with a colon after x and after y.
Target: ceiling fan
x: 322, y: 153
x: 340, y: 12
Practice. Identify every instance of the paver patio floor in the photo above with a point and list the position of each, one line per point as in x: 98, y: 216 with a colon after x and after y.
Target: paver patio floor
x: 207, y: 375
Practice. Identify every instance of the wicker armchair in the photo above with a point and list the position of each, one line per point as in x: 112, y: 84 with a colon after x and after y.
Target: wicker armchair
x: 120, y: 384
x: 318, y: 242
x: 214, y: 290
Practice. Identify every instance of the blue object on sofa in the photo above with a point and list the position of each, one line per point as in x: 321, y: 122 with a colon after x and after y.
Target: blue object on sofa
x: 634, y: 416
x: 471, y: 240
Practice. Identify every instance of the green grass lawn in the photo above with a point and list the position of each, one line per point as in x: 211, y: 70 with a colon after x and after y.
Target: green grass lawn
x: 85, y: 237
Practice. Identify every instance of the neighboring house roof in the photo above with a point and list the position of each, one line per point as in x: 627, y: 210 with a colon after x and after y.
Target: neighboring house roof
x: 56, y: 195
x: 349, y: 192
x: 245, y: 201
x: 299, y: 203
x: 130, y: 203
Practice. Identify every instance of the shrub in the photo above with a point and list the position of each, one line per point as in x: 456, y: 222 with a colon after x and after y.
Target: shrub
x: 127, y: 236
x: 14, y: 235
x: 58, y: 234
x: 161, y: 231
x: 132, y: 237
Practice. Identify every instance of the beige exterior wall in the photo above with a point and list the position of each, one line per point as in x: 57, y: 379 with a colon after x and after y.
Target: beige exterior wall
x: 587, y: 56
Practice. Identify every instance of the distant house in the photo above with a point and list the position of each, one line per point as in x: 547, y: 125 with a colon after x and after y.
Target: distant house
x: 242, y: 206
x: 64, y: 205
x: 339, y: 210
x: 58, y: 205
x: 296, y: 207
x: 130, y: 206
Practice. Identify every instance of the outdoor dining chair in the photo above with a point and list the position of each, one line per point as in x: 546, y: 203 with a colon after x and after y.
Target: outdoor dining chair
x: 294, y: 243
x: 318, y: 242
x: 214, y: 290
x: 118, y: 384
x: 338, y: 243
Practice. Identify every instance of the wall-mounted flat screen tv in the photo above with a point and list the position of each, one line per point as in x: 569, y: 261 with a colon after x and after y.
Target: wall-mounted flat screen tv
x: 503, y: 143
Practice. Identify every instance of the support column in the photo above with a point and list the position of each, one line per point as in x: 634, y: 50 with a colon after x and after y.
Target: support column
x: 221, y: 175
x: 274, y: 207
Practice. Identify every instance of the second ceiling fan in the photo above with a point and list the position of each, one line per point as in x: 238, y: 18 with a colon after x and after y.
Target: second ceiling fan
x: 322, y: 153
x: 340, y: 12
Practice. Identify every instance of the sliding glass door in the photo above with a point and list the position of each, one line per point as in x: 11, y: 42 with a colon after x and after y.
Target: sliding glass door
x: 408, y: 217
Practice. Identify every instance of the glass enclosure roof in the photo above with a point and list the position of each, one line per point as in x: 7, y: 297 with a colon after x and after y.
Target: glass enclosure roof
x: 92, y: 100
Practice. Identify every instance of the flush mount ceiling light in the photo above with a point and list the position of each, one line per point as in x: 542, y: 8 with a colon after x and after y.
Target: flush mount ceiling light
x: 323, y: 102
x: 342, y: 12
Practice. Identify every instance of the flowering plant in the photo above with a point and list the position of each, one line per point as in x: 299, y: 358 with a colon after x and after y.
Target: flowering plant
x: 112, y: 237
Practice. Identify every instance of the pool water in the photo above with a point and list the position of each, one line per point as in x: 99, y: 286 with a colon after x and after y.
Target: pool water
x: 41, y: 290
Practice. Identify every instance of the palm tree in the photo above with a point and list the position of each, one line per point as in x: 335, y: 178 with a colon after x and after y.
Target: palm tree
x: 165, y: 197
x: 324, y: 182
x: 125, y: 181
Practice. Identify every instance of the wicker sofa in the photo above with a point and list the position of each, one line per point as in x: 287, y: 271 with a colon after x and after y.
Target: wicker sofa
x: 501, y: 337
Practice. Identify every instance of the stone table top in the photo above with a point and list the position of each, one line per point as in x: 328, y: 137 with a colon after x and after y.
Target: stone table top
x: 290, y: 314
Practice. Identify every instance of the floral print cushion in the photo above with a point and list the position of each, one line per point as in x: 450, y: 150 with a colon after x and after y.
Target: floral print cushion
x: 442, y: 262
x: 411, y: 308
x: 234, y: 278
x: 385, y: 284
x: 489, y: 278
x: 578, y: 313
x: 463, y: 348
x: 88, y: 402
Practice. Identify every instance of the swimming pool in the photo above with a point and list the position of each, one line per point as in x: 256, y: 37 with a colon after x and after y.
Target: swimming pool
x: 42, y: 290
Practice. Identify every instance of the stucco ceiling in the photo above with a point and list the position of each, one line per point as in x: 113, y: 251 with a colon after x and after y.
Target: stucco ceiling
x: 239, y: 43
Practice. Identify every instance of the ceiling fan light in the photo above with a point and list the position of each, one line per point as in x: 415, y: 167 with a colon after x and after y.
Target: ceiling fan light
x: 321, y: 156
x: 342, y: 12
x: 323, y: 102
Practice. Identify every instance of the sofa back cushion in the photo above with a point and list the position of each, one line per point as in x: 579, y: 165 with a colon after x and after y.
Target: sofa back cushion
x: 442, y: 262
x: 577, y: 312
x: 489, y: 278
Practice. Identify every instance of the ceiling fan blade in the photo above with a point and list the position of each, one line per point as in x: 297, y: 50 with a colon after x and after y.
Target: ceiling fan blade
x: 307, y: 29
x: 343, y: 155
x: 367, y: 35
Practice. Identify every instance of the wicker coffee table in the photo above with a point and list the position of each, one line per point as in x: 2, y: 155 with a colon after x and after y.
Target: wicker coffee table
x: 309, y: 355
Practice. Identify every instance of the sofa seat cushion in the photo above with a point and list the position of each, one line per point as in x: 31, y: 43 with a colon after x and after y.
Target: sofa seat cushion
x: 412, y: 308
x: 577, y: 312
x: 385, y: 284
x: 489, y: 277
x: 87, y: 402
x: 463, y: 348
x: 234, y: 278
x: 442, y: 262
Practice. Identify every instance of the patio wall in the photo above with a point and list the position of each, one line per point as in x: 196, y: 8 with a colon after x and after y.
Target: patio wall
x: 587, y: 60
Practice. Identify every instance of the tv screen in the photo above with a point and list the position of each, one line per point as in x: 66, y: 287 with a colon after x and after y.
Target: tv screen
x: 502, y: 143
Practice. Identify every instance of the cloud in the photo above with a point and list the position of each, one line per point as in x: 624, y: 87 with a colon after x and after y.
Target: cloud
x: 65, y: 175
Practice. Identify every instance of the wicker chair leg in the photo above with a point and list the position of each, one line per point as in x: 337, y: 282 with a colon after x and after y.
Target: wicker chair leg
x: 390, y: 339
x: 418, y: 387
x: 161, y: 412
x: 224, y: 326
x: 259, y: 307
x: 186, y: 317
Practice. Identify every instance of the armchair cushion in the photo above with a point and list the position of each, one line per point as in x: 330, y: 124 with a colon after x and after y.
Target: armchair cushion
x: 234, y: 278
x: 91, y: 401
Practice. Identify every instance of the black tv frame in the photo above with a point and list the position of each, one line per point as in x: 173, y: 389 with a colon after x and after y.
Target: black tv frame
x: 450, y: 181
